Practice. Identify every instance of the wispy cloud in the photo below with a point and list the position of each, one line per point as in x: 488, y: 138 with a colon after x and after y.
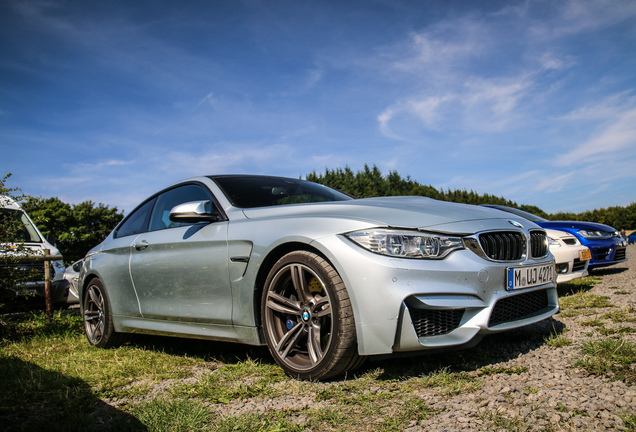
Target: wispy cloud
x: 444, y: 47
x: 582, y: 16
x: 476, y: 105
x: 613, y: 137
x: 460, y: 78
x: 608, y: 108
x: 554, y: 183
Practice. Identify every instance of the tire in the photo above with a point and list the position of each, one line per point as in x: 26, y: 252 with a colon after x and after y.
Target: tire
x: 98, y: 320
x: 307, y: 318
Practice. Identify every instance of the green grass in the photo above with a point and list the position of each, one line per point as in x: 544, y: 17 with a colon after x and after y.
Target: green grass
x: 557, y: 338
x: 500, y: 422
x: 619, y: 316
x: 596, y: 322
x: 630, y: 421
x: 53, y: 379
x: 582, y: 300
x: 616, y: 331
x: 609, y: 357
x: 167, y: 415
x: 242, y: 380
x: 574, y: 296
x: 578, y: 285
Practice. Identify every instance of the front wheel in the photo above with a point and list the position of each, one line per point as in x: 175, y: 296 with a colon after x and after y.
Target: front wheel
x: 98, y: 320
x: 307, y: 318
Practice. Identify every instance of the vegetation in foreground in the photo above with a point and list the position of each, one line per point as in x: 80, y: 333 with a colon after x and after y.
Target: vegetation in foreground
x: 52, y: 378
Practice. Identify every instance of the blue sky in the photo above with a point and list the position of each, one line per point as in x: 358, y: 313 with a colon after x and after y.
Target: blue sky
x: 111, y: 101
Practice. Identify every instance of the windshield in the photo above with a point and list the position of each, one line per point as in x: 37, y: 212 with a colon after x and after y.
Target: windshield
x: 17, y: 227
x: 263, y: 191
x: 523, y: 214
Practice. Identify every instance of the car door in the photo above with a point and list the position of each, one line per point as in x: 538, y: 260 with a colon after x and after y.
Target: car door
x: 179, y: 270
x: 113, y: 261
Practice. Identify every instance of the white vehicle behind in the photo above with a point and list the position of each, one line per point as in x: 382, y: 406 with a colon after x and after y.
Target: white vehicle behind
x: 572, y: 258
x: 28, y: 240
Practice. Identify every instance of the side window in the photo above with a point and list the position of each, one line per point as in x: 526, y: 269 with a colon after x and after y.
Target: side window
x: 137, y: 222
x: 160, y: 218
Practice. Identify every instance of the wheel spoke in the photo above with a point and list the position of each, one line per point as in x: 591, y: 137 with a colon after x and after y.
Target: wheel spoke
x: 100, y: 328
x: 289, y: 340
x: 96, y: 331
x: 322, y: 307
x: 91, y: 315
x: 314, y: 346
x: 300, y: 284
x: 279, y: 303
x: 96, y: 298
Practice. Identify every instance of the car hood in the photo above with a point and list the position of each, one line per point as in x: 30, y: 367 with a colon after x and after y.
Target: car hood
x: 405, y: 212
x: 577, y: 225
x: 556, y: 234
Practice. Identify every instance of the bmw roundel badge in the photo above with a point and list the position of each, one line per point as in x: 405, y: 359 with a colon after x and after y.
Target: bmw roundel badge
x: 515, y: 223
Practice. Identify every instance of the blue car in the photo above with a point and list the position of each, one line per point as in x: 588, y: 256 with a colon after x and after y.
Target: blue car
x: 607, y: 246
x: 631, y: 238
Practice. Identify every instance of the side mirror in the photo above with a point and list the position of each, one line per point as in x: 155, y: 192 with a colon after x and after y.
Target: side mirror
x: 193, y: 212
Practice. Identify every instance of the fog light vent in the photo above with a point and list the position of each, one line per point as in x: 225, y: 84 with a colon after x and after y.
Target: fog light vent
x: 562, y: 268
x: 434, y: 322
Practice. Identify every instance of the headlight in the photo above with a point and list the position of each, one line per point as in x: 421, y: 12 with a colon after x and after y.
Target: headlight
x: 595, y: 234
x: 406, y: 244
x: 553, y: 242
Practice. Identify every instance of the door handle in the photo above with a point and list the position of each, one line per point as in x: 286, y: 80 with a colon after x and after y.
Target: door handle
x: 141, y: 245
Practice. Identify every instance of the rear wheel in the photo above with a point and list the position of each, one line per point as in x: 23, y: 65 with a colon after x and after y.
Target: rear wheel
x: 98, y: 320
x: 307, y: 318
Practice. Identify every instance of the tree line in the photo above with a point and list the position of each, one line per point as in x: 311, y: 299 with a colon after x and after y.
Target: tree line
x: 79, y: 227
x: 370, y: 182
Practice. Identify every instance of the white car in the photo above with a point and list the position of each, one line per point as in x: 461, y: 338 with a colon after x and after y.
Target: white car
x: 572, y: 258
x: 27, y: 241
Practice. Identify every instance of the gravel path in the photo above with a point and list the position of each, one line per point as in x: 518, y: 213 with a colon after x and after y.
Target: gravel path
x: 552, y: 394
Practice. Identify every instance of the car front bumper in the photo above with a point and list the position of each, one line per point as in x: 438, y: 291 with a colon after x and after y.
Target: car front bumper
x: 569, y: 264
x: 405, y: 305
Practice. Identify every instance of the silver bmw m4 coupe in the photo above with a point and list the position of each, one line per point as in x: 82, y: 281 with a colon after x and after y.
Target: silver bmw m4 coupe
x: 322, y: 279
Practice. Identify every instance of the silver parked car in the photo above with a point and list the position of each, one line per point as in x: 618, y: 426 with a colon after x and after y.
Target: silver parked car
x: 71, y: 274
x: 324, y: 280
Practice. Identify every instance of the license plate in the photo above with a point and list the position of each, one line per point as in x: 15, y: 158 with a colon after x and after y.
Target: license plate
x: 586, y: 255
x: 528, y: 277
